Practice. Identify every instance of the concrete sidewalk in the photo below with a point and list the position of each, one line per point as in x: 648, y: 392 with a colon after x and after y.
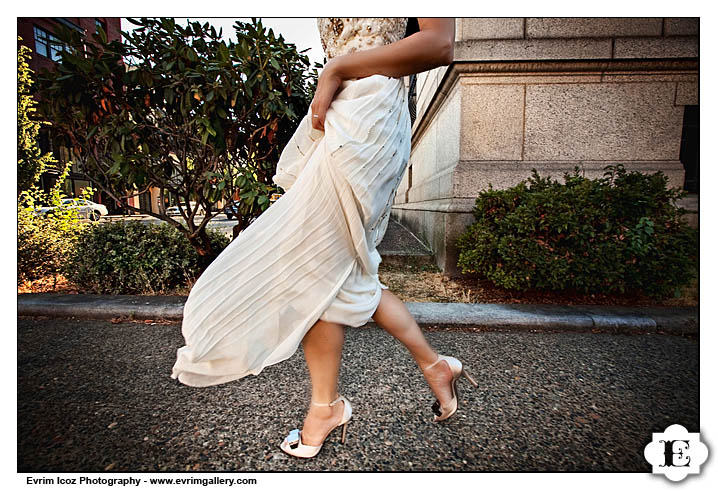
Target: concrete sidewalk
x: 478, y: 316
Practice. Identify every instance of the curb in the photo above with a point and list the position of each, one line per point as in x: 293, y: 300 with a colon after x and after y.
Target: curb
x: 94, y: 306
x: 558, y: 318
x: 474, y: 316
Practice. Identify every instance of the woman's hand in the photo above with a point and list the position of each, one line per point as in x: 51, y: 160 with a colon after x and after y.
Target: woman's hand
x: 327, y: 86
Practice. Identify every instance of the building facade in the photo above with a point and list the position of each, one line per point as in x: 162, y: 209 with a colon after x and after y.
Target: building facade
x: 549, y: 93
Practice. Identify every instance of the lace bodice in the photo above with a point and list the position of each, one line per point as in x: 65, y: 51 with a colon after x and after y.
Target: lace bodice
x: 346, y: 35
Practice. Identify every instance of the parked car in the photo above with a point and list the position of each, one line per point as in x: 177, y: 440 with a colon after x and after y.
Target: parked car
x: 231, y: 209
x: 85, y: 208
x: 174, y: 210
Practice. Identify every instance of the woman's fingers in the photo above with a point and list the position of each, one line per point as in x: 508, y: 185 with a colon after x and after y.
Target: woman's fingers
x: 327, y: 86
x: 320, y: 104
x: 319, y: 111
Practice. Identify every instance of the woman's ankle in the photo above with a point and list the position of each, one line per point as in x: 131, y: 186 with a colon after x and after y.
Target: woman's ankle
x: 425, y: 363
x: 324, y: 412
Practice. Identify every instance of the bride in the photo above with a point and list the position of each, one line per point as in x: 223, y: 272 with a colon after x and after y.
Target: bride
x: 308, y: 266
x: 429, y: 48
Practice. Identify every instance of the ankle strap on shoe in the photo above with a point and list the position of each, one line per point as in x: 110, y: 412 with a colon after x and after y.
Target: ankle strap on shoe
x: 438, y: 359
x: 334, y: 402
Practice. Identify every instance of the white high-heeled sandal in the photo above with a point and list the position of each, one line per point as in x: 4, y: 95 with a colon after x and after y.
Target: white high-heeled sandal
x: 293, y: 445
x: 457, y: 369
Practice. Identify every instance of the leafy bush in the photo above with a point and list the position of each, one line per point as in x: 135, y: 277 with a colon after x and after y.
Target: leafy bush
x: 44, y: 242
x: 130, y: 257
x: 619, y: 233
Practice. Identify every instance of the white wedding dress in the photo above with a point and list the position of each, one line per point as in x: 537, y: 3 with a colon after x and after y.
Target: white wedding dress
x: 312, y: 254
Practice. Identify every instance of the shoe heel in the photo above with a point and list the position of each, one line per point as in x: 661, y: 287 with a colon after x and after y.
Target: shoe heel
x: 344, y: 431
x: 468, y: 377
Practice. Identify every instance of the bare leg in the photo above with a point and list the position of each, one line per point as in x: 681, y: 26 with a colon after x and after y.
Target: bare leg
x: 393, y: 316
x: 322, y: 350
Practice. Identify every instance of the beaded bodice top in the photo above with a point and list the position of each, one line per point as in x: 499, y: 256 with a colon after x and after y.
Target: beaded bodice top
x: 346, y: 35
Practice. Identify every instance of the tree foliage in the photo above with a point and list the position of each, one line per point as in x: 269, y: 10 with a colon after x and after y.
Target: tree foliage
x: 31, y: 163
x: 178, y: 108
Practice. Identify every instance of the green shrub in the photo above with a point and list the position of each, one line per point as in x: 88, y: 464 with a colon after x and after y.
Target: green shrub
x: 130, y: 257
x: 620, y: 233
x: 44, y: 242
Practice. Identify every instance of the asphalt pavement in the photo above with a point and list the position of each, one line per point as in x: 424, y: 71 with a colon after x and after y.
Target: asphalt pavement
x: 95, y: 396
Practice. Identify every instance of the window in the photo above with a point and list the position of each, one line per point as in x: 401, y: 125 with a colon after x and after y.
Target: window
x: 63, y: 153
x: 100, y: 24
x: 412, y: 98
x: 78, y: 185
x: 689, y: 155
x: 47, y: 44
x: 44, y: 141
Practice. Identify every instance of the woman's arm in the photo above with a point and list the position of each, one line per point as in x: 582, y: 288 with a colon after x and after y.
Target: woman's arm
x: 429, y: 48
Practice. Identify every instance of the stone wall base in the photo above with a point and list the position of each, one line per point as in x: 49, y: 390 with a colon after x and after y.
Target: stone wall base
x: 490, y: 121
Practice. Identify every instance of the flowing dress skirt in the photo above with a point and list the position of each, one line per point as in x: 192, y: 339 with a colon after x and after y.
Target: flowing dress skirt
x: 312, y: 254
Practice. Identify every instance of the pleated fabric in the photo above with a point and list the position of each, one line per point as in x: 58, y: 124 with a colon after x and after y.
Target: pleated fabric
x: 312, y: 254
